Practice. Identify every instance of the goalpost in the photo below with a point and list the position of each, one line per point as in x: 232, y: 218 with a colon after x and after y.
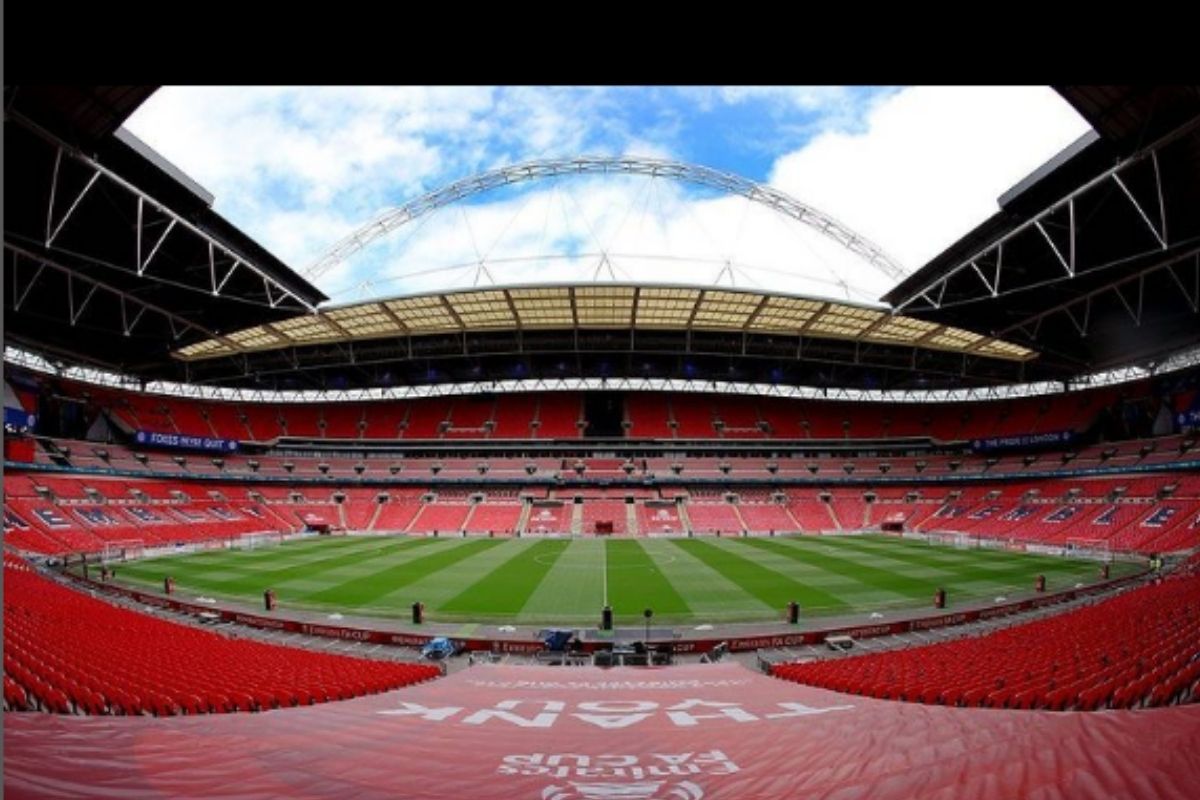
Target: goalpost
x: 960, y: 541
x: 122, y: 550
x: 253, y: 541
x: 1095, y: 549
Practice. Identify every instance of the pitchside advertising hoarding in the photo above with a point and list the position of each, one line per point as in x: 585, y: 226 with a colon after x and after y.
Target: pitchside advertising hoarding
x: 694, y: 732
x: 179, y: 441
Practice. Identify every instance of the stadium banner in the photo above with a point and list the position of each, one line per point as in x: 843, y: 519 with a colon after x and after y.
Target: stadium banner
x: 693, y: 732
x: 179, y: 441
x: 18, y: 420
x: 1047, y: 439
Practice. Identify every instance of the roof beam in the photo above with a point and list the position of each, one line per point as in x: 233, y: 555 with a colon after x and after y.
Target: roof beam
x: 1035, y: 222
x: 99, y: 170
x: 178, y: 323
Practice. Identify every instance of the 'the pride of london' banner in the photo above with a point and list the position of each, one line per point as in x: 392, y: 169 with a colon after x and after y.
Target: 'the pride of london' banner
x: 1047, y: 439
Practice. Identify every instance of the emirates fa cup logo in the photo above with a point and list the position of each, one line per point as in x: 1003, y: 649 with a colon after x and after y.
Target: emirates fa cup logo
x: 643, y: 790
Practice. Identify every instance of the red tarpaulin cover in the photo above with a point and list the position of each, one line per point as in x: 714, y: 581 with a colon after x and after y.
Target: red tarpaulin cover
x: 691, y: 732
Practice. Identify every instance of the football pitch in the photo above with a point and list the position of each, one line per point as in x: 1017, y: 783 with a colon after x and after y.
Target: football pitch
x: 567, y: 581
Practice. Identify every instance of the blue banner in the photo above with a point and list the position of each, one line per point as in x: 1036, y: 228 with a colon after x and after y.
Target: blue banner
x: 179, y: 441
x: 19, y: 420
x: 1188, y: 419
x: 1023, y: 440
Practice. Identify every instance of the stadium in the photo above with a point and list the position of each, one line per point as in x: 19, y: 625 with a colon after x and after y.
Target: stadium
x: 565, y: 516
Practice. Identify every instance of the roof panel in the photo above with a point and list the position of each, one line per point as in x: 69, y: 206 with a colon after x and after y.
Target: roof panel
x: 543, y: 308
x: 604, y: 306
x: 723, y: 310
x: 423, y: 314
x: 609, y: 306
x: 483, y: 309
x: 306, y: 329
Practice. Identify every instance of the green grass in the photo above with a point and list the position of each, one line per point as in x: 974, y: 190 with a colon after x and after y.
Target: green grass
x: 568, y: 580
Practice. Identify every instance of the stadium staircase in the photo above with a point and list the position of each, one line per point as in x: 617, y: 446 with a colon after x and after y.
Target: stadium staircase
x: 737, y: 512
x: 837, y: 523
x: 685, y: 520
x: 375, y: 516
x: 576, y: 519
x: 523, y: 520
x: 466, y: 523
x: 631, y: 519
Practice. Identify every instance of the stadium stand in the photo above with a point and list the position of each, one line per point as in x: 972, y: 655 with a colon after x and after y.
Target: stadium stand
x: 496, y: 515
x: 1136, y: 649
x: 558, y: 416
x: 68, y: 653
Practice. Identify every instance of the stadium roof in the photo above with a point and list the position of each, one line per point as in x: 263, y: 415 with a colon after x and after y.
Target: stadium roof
x: 116, y: 259
x: 1095, y: 258
x: 112, y: 256
x: 602, y: 306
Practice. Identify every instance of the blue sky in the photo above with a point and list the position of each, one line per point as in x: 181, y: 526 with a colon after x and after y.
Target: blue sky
x: 910, y: 168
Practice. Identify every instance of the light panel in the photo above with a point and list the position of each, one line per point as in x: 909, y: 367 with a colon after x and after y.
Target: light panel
x: 605, y: 306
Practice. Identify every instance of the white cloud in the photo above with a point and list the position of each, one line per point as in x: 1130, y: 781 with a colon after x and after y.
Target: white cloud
x: 299, y: 168
x: 653, y: 231
x: 931, y: 163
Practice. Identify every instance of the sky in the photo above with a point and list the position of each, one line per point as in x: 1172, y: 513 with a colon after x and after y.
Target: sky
x: 911, y: 169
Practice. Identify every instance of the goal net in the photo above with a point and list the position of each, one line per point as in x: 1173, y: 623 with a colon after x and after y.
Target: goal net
x: 949, y: 539
x: 1095, y: 549
x: 253, y: 541
x: 122, y: 550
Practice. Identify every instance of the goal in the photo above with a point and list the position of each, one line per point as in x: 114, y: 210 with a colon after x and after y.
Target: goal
x: 1095, y: 549
x: 122, y: 550
x: 961, y: 541
x: 253, y: 541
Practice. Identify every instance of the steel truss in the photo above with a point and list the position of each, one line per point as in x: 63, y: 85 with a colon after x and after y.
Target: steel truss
x: 1149, y: 212
x: 1183, y: 360
x: 82, y: 288
x: 75, y: 175
x: 778, y: 201
x: 1130, y: 290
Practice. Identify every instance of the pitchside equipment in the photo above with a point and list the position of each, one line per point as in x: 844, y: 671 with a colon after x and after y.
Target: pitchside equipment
x: 122, y: 550
x: 253, y: 541
x: 1096, y: 549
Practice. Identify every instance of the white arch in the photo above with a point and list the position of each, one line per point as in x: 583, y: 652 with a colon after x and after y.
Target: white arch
x: 772, y: 198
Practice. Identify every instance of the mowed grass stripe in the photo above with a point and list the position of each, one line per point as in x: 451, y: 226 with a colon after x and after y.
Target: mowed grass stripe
x: 226, y: 564
x: 572, y: 591
x: 965, y: 584
x: 709, y: 593
x: 437, y: 588
x: 982, y: 566
x: 773, y: 588
x: 226, y: 578
x: 869, y: 576
x: 507, y: 588
x: 237, y: 559
x: 964, y: 567
x: 365, y: 589
x: 315, y: 563
x: 635, y: 583
x: 214, y: 570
